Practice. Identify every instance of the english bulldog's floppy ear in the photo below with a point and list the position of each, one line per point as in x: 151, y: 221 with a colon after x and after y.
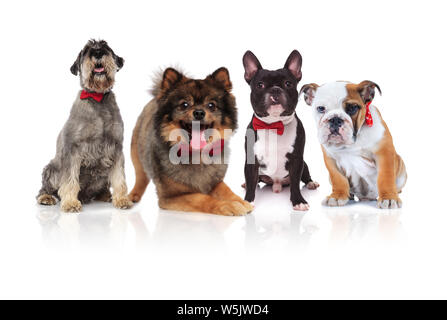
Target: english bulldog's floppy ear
x: 222, y: 77
x: 170, y: 78
x: 293, y: 63
x: 251, y: 65
x: 76, y: 65
x: 366, y: 90
x: 309, y: 92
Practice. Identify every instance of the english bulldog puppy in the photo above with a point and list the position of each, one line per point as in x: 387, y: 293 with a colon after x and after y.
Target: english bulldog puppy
x: 357, y: 145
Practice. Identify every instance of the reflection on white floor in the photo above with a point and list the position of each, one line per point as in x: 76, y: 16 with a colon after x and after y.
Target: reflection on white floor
x: 273, y: 226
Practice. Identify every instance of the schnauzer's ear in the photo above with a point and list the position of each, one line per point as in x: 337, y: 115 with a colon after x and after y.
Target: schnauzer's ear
x: 293, y: 64
x: 309, y: 92
x: 119, y: 61
x: 366, y: 89
x: 222, y: 76
x: 75, y: 67
x: 251, y: 65
x: 170, y: 78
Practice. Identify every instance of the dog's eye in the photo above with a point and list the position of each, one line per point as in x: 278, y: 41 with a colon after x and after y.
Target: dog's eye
x: 212, y: 106
x: 260, y: 85
x: 184, y: 105
x: 288, y: 84
x: 352, y: 109
x: 321, y: 109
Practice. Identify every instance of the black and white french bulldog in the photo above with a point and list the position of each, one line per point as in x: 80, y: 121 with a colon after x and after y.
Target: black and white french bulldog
x: 275, y: 137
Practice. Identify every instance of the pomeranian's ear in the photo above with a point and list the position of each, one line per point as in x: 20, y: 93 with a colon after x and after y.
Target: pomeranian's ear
x: 171, y: 78
x: 222, y: 76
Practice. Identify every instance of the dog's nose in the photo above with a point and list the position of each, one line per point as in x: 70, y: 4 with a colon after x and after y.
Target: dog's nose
x: 199, y: 114
x: 335, y: 123
x: 98, y: 53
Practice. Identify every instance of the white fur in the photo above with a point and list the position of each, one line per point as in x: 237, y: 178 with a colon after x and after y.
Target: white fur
x: 354, y: 157
x: 271, y: 149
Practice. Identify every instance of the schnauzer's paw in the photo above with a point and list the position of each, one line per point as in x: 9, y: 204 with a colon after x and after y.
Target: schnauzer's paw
x: 71, y: 205
x: 335, y: 202
x: 389, y: 203
x: 46, y: 200
x: 301, y: 207
x: 231, y: 208
x: 277, y: 188
x: 134, y: 197
x: 312, y: 185
x: 122, y: 203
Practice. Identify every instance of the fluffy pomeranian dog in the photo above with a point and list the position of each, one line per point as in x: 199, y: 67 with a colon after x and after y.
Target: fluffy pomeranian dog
x: 180, y: 141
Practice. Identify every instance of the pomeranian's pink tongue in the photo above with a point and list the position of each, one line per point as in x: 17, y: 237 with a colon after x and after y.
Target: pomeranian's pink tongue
x: 198, y: 140
x: 99, y: 70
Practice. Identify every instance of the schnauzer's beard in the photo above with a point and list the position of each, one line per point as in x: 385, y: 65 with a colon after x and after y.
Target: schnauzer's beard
x: 98, y: 82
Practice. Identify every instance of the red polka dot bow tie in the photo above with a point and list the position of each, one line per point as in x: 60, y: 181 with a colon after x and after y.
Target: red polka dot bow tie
x: 368, y: 116
x: 261, y: 125
x: 94, y: 95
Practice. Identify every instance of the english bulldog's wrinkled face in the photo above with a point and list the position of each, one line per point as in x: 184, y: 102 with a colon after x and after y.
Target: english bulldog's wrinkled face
x: 339, y: 109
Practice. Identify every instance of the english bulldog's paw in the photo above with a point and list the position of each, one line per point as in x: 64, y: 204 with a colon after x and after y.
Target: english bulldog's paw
x: 71, y: 205
x: 231, y: 208
x: 312, y: 185
x: 46, y: 200
x: 301, y: 207
x: 389, y: 203
x: 335, y: 202
x: 122, y: 203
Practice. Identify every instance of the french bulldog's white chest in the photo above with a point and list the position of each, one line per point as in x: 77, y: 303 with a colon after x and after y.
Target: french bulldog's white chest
x: 271, y: 150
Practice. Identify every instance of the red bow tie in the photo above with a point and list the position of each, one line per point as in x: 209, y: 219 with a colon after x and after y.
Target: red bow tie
x: 94, y: 95
x: 368, y: 116
x: 214, y: 149
x: 261, y: 125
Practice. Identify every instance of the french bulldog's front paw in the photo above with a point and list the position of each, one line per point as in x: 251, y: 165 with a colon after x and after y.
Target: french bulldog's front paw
x: 71, y: 205
x: 312, y: 185
x: 122, y: 203
x: 301, y: 207
x: 383, y: 203
x: 332, y: 201
x: 46, y: 200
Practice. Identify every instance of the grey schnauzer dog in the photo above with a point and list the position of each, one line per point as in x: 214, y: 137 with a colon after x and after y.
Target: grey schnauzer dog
x: 89, y: 156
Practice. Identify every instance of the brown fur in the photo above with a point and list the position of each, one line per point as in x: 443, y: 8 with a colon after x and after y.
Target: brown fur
x: 185, y: 187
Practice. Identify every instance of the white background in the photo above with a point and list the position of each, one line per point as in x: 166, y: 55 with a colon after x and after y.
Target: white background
x: 352, y: 252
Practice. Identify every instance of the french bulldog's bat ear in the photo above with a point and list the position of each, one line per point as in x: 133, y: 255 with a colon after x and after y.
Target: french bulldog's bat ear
x: 293, y: 63
x: 309, y: 92
x: 76, y: 65
x: 251, y: 65
x: 222, y: 76
x: 170, y: 78
x: 367, y: 90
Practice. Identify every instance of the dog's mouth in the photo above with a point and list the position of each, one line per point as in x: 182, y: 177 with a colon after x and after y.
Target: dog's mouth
x: 99, y: 70
x: 196, y: 133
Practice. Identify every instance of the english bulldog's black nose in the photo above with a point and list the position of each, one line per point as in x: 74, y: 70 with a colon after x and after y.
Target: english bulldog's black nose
x: 199, y: 114
x: 335, y: 123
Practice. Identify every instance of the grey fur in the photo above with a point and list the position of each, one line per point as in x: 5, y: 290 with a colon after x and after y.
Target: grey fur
x: 90, y: 146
